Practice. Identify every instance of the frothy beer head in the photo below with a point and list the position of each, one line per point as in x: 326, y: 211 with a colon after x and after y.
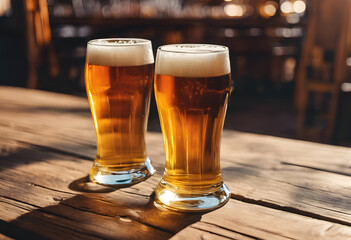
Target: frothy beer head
x: 119, y: 52
x: 192, y: 60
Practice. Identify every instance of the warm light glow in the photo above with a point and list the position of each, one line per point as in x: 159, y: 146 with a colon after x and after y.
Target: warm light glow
x: 4, y: 6
x: 227, y: 0
x: 286, y: 7
x: 348, y: 61
x: 167, y: 197
x: 228, y: 32
x: 346, y: 87
x: 289, y: 69
x: 299, y: 6
x: 288, y: 32
x: 216, y: 11
x: 234, y: 10
x: 293, y: 18
x: 270, y: 8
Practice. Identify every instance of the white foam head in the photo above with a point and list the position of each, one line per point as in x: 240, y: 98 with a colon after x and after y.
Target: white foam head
x: 192, y: 60
x: 119, y: 52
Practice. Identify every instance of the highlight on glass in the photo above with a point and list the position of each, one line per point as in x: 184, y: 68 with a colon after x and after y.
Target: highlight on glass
x: 118, y: 79
x: 192, y: 86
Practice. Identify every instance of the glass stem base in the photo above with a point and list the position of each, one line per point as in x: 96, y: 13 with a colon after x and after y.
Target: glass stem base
x: 191, y: 199
x: 120, y: 177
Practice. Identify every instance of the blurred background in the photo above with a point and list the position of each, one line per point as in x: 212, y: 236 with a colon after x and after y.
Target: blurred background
x: 290, y: 59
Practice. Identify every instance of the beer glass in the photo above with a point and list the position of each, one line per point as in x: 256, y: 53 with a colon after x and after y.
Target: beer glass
x: 118, y: 79
x: 192, y: 86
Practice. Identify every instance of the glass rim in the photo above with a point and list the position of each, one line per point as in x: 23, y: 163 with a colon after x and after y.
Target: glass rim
x: 213, y: 48
x: 113, y: 42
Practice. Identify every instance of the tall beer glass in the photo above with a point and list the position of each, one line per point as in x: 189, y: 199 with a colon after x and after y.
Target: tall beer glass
x: 192, y: 85
x: 118, y: 79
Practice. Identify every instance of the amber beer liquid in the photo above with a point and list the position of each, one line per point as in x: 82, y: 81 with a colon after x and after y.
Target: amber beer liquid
x: 118, y: 78
x: 192, y: 86
x: 192, y: 112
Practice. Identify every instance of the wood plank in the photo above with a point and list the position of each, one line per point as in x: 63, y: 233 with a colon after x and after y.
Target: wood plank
x: 265, y: 223
x: 296, y: 175
x: 280, y: 175
x: 77, y: 129
x: 60, y: 221
x: 44, y: 99
x: 33, y: 189
x: 193, y: 233
x: 56, y: 213
x: 239, y: 146
x: 3, y: 237
x: 267, y: 170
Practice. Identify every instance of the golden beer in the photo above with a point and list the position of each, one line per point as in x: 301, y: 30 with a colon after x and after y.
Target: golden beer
x: 118, y: 78
x: 192, y: 86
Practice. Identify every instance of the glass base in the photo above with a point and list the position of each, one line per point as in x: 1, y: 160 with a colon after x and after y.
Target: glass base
x: 114, y: 177
x: 195, y: 200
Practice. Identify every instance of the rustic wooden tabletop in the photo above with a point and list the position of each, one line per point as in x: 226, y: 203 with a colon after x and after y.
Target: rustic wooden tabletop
x: 281, y: 188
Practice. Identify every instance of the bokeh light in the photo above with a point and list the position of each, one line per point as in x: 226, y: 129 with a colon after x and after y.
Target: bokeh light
x: 286, y: 7
x: 234, y: 10
x: 5, y: 5
x: 299, y: 6
x: 268, y: 9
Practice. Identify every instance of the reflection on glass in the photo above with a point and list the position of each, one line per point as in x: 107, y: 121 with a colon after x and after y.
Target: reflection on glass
x: 192, y: 86
x: 118, y: 78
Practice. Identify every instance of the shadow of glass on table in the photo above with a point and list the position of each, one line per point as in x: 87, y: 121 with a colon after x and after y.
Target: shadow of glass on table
x: 96, y: 216
x: 88, y: 212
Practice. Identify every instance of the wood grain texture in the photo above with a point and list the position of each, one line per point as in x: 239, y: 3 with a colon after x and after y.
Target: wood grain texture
x: 38, y: 198
x: 281, y: 188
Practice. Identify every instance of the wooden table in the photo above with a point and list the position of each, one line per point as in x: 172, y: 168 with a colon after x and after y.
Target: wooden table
x: 281, y: 189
